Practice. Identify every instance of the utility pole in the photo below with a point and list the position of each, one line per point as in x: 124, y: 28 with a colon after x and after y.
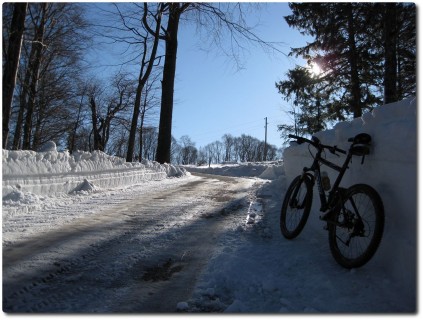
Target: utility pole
x: 265, y: 139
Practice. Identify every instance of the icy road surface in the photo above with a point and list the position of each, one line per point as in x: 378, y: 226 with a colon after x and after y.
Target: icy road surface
x: 135, y: 251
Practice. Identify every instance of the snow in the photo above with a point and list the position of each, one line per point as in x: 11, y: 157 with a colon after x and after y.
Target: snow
x: 391, y: 168
x: 52, y: 172
x: 253, y: 269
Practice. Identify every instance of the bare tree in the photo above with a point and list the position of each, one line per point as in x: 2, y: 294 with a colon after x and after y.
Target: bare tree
x: 33, y: 70
x: 228, y: 142
x: 147, y: 62
x: 73, y: 132
x: 217, y: 148
x: 104, y: 109
x: 93, y: 102
x: 188, y: 150
x: 220, y: 18
x: 175, y: 151
x: 10, y: 67
x: 149, y: 143
x: 49, y: 73
x: 175, y: 10
x: 202, y: 156
x: 117, y: 146
x: 150, y: 102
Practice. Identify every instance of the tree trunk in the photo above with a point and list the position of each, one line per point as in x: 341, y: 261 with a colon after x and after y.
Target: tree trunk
x: 134, y: 124
x: 72, y: 137
x: 168, y: 84
x: 23, y: 99
x: 37, y: 132
x: 35, y: 70
x: 355, y: 82
x: 11, y: 64
x: 97, y: 137
x: 142, y: 79
x: 141, y: 132
x: 17, y: 143
x: 390, y: 47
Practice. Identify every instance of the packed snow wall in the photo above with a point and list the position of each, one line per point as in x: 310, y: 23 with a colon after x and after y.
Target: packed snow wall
x: 391, y: 168
x: 51, y: 172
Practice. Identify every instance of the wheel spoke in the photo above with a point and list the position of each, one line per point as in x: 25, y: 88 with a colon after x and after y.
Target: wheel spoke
x: 295, y: 208
x: 354, y: 239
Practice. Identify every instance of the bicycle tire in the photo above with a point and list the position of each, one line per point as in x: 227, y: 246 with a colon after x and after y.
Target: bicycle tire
x: 364, y: 233
x: 292, y: 223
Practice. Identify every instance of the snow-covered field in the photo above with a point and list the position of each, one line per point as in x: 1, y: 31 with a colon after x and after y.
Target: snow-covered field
x: 254, y: 269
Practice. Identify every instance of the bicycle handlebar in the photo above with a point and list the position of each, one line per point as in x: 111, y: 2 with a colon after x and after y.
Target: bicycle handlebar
x: 316, y: 143
x: 299, y: 139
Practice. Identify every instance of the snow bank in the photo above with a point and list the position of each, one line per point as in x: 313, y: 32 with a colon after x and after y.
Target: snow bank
x: 391, y: 169
x: 50, y: 172
x: 268, y: 170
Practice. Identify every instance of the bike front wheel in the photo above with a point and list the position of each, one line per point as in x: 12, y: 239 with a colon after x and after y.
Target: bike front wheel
x: 356, y: 229
x: 296, y: 207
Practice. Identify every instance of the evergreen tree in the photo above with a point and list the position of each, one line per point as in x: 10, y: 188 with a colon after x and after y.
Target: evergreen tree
x: 307, y: 93
x: 340, y: 47
x: 367, y: 52
x: 406, y: 50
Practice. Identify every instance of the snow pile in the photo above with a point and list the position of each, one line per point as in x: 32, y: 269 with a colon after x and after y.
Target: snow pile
x: 391, y: 168
x: 273, y: 172
x: 265, y: 170
x: 24, y: 163
x: 18, y: 196
x: 51, y: 172
x: 85, y: 187
x: 393, y: 129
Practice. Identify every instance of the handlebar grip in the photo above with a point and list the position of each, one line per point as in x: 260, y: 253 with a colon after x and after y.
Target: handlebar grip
x: 299, y: 139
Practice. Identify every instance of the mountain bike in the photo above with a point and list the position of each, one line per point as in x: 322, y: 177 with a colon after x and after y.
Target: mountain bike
x: 354, y: 216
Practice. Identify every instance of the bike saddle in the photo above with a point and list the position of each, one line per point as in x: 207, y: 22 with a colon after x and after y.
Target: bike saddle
x: 360, y: 144
x: 362, y: 138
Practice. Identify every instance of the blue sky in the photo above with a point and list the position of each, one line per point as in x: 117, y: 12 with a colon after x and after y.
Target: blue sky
x: 213, y: 98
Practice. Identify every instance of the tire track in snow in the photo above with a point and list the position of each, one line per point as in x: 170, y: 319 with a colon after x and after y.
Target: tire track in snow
x: 98, y: 263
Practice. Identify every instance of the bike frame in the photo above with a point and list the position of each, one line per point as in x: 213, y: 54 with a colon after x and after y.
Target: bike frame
x: 326, y: 202
x: 341, y: 205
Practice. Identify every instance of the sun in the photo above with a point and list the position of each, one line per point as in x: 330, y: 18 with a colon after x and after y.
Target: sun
x: 315, y: 69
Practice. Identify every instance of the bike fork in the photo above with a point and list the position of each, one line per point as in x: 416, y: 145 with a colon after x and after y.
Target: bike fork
x: 294, y: 201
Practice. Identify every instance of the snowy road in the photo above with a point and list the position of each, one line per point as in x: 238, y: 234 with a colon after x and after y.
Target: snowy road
x: 136, y: 251
x: 140, y: 237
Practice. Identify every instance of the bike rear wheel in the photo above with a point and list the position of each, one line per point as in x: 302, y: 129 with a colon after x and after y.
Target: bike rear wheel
x: 296, y: 207
x: 355, y: 231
